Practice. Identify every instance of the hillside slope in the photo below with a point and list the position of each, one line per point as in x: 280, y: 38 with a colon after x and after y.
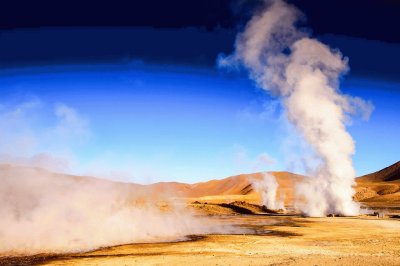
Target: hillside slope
x: 387, y: 174
x: 381, y: 188
x: 378, y: 188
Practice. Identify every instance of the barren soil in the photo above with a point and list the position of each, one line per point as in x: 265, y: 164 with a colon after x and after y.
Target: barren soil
x: 270, y: 238
x: 274, y: 240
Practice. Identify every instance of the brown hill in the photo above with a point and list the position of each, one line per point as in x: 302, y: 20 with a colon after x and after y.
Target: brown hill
x: 239, y: 185
x: 390, y: 173
x: 235, y: 185
x: 381, y: 187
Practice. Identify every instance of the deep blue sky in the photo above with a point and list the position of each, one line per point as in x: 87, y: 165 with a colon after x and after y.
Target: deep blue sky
x: 154, y: 123
x: 144, y: 100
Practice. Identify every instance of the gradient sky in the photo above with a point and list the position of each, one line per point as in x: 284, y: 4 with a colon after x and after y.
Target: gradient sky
x: 149, y: 104
x: 151, y: 123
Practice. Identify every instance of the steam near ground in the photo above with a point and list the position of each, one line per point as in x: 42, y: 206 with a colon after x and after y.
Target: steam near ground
x: 304, y: 73
x: 268, y: 188
x: 45, y: 212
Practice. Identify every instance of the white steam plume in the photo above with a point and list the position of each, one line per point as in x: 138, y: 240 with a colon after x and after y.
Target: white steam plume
x: 305, y: 74
x: 45, y: 212
x: 268, y: 188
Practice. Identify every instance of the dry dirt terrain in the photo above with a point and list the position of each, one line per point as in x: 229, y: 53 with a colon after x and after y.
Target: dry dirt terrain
x: 260, y: 237
x: 274, y: 240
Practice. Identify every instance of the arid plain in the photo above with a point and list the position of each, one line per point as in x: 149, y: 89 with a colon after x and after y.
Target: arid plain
x: 257, y: 236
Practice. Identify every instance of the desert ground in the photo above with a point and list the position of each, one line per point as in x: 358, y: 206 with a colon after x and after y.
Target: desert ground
x: 260, y: 237
x: 275, y: 240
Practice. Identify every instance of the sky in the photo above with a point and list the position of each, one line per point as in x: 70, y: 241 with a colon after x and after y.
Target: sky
x: 142, y: 99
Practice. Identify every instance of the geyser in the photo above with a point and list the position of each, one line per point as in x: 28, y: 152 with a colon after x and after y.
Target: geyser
x: 304, y: 73
x: 268, y: 188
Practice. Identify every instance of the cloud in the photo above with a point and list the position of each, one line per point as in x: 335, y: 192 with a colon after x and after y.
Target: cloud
x: 247, y: 163
x: 70, y: 122
x: 27, y: 138
x: 361, y: 107
x: 268, y: 111
x: 123, y: 167
x: 42, y: 160
x: 264, y: 159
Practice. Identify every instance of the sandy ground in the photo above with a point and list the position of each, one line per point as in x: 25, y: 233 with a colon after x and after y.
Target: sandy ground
x: 282, y: 240
x: 272, y: 239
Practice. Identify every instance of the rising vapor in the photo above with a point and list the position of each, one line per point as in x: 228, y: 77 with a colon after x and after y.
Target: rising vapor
x: 44, y: 212
x: 268, y: 189
x: 305, y: 73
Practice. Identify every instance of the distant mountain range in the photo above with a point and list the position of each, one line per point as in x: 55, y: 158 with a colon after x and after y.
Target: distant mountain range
x: 378, y: 188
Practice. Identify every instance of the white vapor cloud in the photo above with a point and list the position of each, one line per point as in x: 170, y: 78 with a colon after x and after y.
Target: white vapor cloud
x: 246, y: 163
x: 70, y: 123
x: 26, y: 138
x: 268, y: 189
x: 44, y: 212
x: 305, y: 74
